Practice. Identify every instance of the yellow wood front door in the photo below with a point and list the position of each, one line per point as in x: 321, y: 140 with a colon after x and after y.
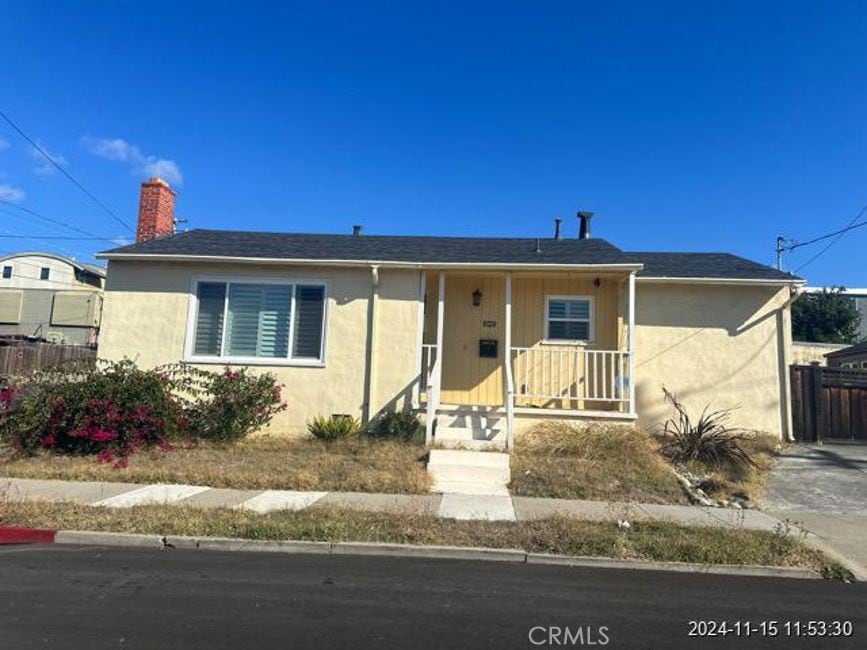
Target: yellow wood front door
x: 467, y: 377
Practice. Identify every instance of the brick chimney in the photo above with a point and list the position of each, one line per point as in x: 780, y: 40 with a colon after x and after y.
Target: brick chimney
x: 156, y: 210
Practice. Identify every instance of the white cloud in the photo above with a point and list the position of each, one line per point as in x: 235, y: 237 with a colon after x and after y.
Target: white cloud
x: 10, y: 193
x: 4, y: 144
x: 122, y: 241
x: 122, y: 151
x: 45, y: 168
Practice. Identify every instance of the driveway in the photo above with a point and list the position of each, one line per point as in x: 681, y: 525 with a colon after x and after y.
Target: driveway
x: 824, y: 489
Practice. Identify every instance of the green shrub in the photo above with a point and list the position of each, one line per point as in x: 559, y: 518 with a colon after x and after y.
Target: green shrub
x: 334, y: 427
x: 396, y: 425
x: 226, y: 406
x: 708, y: 440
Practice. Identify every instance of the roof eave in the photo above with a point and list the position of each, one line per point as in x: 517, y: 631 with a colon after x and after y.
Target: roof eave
x: 777, y: 282
x: 157, y: 257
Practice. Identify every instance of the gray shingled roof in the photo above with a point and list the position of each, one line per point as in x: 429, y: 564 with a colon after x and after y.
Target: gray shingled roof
x: 447, y: 250
x: 705, y: 265
x: 382, y: 248
x: 852, y: 349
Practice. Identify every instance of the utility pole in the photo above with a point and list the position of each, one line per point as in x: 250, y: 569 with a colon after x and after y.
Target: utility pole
x: 783, y: 245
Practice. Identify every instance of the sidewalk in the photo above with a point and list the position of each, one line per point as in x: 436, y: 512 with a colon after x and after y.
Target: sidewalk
x: 454, y: 506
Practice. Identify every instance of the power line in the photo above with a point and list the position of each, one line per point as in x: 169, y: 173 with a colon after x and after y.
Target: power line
x: 62, y: 169
x: 849, y: 226
x: 50, y: 237
x: 54, y: 221
x: 830, y: 234
x: 784, y: 244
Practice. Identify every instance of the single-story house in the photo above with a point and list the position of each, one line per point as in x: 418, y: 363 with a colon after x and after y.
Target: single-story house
x: 515, y: 328
x: 50, y: 297
x: 853, y: 357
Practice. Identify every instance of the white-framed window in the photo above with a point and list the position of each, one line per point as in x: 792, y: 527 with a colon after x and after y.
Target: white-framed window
x: 257, y: 321
x: 568, y: 319
x: 7, y: 272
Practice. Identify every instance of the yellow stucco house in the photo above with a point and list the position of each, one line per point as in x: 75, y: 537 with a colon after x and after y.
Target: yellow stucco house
x: 514, y: 330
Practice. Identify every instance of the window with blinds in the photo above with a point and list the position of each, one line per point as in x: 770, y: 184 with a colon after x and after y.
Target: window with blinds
x: 250, y: 320
x: 568, y: 318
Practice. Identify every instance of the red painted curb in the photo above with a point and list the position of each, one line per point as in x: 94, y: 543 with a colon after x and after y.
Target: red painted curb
x: 24, y: 535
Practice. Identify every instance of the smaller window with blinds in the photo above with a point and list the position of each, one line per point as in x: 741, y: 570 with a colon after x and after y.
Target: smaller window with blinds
x: 568, y: 319
x: 257, y: 321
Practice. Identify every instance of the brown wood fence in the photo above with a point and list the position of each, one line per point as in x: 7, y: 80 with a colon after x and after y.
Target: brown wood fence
x: 828, y: 403
x: 21, y: 358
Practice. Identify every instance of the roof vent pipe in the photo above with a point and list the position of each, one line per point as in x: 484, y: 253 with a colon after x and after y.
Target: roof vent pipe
x: 584, y: 224
x: 557, y: 222
x: 357, y: 231
x: 538, y: 245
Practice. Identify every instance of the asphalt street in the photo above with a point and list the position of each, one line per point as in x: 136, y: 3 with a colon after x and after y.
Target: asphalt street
x: 89, y: 597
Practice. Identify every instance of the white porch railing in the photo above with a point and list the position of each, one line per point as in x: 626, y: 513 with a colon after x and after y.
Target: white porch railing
x: 428, y: 356
x: 569, y: 373
x: 434, y: 378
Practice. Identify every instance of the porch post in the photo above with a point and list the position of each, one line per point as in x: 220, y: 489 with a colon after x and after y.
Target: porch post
x: 441, y: 308
x: 631, y: 342
x: 416, y: 397
x: 435, y: 384
x: 507, y: 352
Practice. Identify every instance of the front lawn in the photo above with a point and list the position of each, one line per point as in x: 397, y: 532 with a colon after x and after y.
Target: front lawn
x: 660, y: 541
x: 599, y: 462
x: 260, y: 462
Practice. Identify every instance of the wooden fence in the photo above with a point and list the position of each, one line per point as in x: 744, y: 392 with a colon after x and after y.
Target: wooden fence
x: 21, y: 358
x: 828, y: 403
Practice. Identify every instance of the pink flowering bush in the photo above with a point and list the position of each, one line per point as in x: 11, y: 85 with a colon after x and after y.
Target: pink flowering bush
x: 228, y: 405
x: 114, y: 409
x: 110, y: 410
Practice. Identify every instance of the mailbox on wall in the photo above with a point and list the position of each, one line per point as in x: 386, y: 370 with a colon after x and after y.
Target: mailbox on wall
x: 488, y: 348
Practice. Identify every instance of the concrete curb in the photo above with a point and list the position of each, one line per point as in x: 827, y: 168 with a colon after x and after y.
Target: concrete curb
x: 443, y: 552
x: 680, y: 567
x: 92, y: 538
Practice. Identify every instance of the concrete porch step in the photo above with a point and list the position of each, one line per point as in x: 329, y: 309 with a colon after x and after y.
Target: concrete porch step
x: 463, y: 473
x: 468, y: 459
x: 469, y: 472
x: 473, y: 445
x: 468, y: 487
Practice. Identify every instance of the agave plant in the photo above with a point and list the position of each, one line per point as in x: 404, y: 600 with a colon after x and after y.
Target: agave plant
x: 709, y: 439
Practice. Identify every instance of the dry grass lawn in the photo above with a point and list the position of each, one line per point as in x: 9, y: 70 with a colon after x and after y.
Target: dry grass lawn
x: 597, y: 461
x: 358, y: 465
x: 652, y: 540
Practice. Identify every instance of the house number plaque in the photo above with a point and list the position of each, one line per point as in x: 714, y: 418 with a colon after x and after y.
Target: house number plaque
x: 489, y: 323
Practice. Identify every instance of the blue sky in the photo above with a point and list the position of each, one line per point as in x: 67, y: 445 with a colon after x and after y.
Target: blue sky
x: 709, y: 126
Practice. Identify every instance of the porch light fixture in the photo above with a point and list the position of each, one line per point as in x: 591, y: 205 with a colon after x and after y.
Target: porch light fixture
x: 477, y: 298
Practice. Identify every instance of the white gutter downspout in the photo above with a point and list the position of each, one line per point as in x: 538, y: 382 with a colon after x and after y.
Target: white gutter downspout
x: 784, y: 337
x: 631, y: 342
x: 370, y: 387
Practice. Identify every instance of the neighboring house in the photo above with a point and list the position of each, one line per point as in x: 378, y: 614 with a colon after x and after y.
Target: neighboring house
x: 854, y: 357
x: 50, y: 297
x: 528, y: 329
